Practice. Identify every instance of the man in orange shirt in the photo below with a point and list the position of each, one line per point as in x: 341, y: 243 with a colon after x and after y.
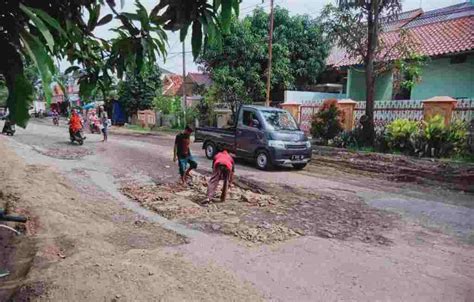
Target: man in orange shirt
x: 223, y: 168
x: 75, y: 123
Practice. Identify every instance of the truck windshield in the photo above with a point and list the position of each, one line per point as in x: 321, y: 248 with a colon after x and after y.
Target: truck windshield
x: 279, y: 120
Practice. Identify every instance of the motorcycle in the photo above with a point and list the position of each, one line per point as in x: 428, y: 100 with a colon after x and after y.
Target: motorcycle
x: 8, y: 128
x: 94, y: 127
x: 76, y: 136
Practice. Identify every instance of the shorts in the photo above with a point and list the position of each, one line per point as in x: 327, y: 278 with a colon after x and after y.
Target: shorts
x: 183, y: 162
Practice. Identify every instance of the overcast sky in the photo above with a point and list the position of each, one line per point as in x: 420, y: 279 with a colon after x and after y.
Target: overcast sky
x: 311, y: 7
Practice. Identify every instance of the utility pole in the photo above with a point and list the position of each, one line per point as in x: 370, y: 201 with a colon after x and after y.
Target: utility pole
x: 183, y: 104
x: 270, y: 41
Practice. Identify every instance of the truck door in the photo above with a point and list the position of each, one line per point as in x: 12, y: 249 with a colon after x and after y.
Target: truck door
x: 248, y: 134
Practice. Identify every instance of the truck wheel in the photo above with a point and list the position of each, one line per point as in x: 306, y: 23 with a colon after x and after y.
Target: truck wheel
x: 299, y: 166
x: 263, y: 160
x: 210, y: 150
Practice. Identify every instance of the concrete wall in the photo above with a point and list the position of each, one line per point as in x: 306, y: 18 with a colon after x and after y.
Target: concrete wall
x: 356, y: 86
x: 308, y: 96
x: 440, y: 77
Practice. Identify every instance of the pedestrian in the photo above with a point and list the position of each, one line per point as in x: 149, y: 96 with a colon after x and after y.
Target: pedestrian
x: 223, y: 168
x: 104, y: 120
x: 182, y: 153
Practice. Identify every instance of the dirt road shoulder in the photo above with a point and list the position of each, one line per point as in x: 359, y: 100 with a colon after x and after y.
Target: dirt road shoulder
x: 94, y: 250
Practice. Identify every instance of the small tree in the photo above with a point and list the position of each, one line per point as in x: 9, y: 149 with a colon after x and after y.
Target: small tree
x: 326, y: 123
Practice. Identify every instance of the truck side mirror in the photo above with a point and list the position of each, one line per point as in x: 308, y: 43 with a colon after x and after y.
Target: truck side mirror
x: 255, y: 123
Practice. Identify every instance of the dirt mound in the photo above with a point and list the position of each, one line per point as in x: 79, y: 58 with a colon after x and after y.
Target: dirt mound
x: 452, y: 175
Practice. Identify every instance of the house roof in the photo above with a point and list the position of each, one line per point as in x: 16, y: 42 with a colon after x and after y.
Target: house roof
x: 200, y: 78
x: 172, y: 84
x: 165, y: 71
x: 444, y: 31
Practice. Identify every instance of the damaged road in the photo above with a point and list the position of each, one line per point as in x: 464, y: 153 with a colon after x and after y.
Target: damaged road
x: 111, y: 224
x: 254, y: 216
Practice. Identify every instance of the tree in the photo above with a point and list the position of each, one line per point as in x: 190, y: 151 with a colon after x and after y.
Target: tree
x: 356, y: 24
x: 238, y: 66
x: 45, y: 29
x: 138, y: 91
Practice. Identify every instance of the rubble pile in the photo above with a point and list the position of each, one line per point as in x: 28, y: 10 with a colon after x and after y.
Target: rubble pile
x: 263, y: 218
x: 266, y: 233
x: 185, y: 203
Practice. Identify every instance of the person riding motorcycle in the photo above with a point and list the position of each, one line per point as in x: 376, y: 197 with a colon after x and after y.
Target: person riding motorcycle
x: 75, y: 124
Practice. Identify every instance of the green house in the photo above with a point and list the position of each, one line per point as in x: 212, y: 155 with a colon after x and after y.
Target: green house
x: 444, y: 36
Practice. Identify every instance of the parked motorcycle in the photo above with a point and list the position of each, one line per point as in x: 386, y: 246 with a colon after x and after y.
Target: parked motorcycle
x: 77, y: 137
x: 8, y: 128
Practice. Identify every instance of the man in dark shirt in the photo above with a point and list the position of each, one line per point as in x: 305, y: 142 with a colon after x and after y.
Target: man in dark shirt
x: 182, y: 153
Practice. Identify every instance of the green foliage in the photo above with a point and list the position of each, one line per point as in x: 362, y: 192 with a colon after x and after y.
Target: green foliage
x: 438, y: 140
x: 431, y: 138
x: 167, y: 104
x: 138, y: 91
x: 348, y: 139
x: 410, y: 67
x: 400, y: 134
x: 326, y: 123
x: 207, y: 116
x: 457, y: 136
x: 238, y: 66
x: 22, y: 90
x: 181, y: 118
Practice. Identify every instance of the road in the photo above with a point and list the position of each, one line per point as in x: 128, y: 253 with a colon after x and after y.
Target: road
x: 431, y: 258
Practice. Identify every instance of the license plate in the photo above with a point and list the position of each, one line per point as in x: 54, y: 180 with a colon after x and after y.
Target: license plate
x: 297, y: 157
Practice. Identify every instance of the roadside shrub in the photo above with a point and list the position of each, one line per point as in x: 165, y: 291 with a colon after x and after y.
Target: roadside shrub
x: 431, y: 138
x: 326, y: 123
x: 349, y: 139
x: 458, y: 136
x: 437, y: 140
x: 400, y: 135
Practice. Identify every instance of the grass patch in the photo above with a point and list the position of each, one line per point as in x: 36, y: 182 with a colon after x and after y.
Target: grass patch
x: 362, y: 149
x: 138, y: 128
x: 464, y: 158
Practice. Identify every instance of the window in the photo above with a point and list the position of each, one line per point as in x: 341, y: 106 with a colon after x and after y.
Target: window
x: 248, y: 117
x: 279, y: 120
x: 459, y: 59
